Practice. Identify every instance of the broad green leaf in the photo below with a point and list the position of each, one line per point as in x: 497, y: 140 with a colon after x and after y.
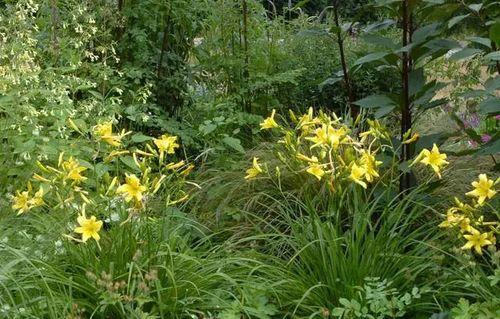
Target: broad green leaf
x: 490, y: 106
x: 453, y: 21
x: 434, y: 103
x: 495, y: 33
x: 483, y: 41
x: 492, y: 84
x: 376, y: 101
x: 476, y: 7
x: 383, y: 111
x: 234, y: 143
x: 493, y: 56
x: 371, y: 58
x: 417, y: 81
x: 491, y: 148
x: 426, y: 141
x: 329, y: 81
x: 129, y: 161
x: 377, y: 26
x: 425, y: 32
x: 465, y: 53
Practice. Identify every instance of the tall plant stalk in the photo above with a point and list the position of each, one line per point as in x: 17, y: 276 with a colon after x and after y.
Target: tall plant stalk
x: 406, y: 116
x: 340, y: 41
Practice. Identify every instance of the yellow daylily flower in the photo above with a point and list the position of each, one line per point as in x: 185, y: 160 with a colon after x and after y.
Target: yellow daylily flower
x: 476, y: 240
x: 369, y: 164
x: 316, y: 170
x: 307, y: 121
x: 89, y: 227
x: 483, y: 189
x: 37, y: 200
x: 326, y: 135
x: 132, y: 189
x: 376, y: 130
x: 303, y: 157
x: 73, y: 170
x: 464, y: 225
x: 254, y: 170
x: 452, y: 219
x: 21, y: 202
x: 174, y: 166
x: 105, y: 132
x: 166, y: 143
x: 357, y: 174
x: 413, y: 138
x: 269, y: 122
x: 433, y: 158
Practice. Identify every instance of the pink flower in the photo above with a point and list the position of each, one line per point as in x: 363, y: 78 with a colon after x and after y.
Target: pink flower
x: 485, y: 138
x: 497, y: 117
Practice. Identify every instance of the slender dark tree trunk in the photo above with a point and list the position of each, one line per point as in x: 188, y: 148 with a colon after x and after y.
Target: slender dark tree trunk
x: 347, y: 81
x: 406, y: 116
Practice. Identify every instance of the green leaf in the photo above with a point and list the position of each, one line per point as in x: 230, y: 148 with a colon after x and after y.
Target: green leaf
x: 234, y: 143
x: 491, y: 148
x: 207, y: 127
x: 417, y: 81
x: 490, y: 106
x: 495, y: 33
x: 140, y: 138
x: 337, y: 312
x: 483, y: 41
x: 492, y: 84
x: 494, y: 56
x: 377, y: 26
x: 129, y: 161
x: 376, y: 39
x: 382, y: 103
x: 426, y: 141
x: 344, y: 302
x: 371, y: 58
x: 328, y: 82
x: 425, y: 32
x: 375, y: 101
x: 465, y: 53
x: 101, y: 168
x: 476, y: 7
x: 453, y: 21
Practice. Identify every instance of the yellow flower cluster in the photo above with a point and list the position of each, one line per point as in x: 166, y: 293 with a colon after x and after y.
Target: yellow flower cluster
x: 23, y: 202
x: 468, y: 219
x: 67, y: 186
x: 325, y: 148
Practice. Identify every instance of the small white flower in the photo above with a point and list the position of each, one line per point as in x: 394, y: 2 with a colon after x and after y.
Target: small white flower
x: 115, y: 217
